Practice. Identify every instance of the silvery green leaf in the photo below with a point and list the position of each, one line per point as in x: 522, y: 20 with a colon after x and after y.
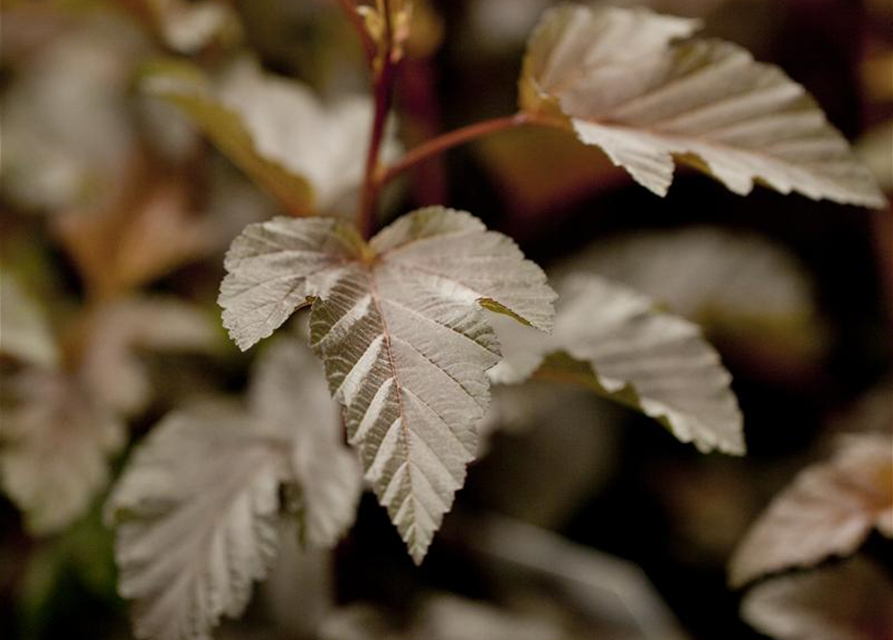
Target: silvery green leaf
x: 635, y: 84
x: 400, y: 328
x: 829, y: 510
x: 55, y: 445
x: 614, y: 341
x: 196, y: 513
x: 289, y: 394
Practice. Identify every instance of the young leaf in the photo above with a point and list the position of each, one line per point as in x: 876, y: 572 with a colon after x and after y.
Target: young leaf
x: 55, y: 442
x: 288, y: 393
x: 850, y: 601
x: 828, y: 510
x: 613, y: 340
x: 26, y: 333
x: 196, y: 514
x: 303, y: 150
x: 188, y: 89
x: 399, y: 326
x: 629, y: 85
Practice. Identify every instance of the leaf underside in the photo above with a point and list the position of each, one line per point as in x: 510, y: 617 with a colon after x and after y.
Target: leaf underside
x: 629, y: 85
x: 613, y: 340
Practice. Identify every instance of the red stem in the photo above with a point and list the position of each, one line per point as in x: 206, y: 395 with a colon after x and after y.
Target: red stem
x: 464, y: 135
x: 383, y: 84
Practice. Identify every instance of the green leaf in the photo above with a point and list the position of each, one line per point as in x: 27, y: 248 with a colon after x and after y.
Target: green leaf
x: 632, y: 83
x: 400, y: 328
x: 26, y: 330
x: 614, y: 341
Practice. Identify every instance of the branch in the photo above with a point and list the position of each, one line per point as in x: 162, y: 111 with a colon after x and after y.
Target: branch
x: 464, y: 135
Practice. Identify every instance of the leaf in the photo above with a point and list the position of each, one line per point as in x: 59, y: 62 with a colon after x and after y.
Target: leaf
x: 399, y: 327
x: 850, y: 601
x: 288, y: 393
x: 196, y: 514
x: 630, y: 83
x: 731, y: 283
x: 280, y: 133
x: 56, y: 442
x: 198, y: 506
x: 26, y: 332
x: 112, y: 367
x: 613, y: 340
x: 829, y: 510
x: 188, y: 89
x: 188, y: 27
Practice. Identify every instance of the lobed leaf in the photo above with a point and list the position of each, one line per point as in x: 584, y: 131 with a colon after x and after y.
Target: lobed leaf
x: 288, y: 393
x: 614, y: 341
x: 630, y: 82
x: 55, y: 444
x: 199, y: 508
x: 196, y: 514
x: 399, y: 326
x: 829, y: 510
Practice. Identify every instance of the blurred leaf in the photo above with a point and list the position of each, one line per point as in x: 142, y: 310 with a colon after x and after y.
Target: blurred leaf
x: 139, y: 239
x: 733, y: 284
x: 628, y: 85
x: 849, y: 601
x: 199, y: 507
x: 196, y: 513
x: 276, y: 130
x: 187, y: 88
x: 26, y: 332
x: 615, y: 342
x: 68, y: 140
x: 188, y: 27
x: 447, y: 617
x: 289, y: 390
x: 119, y: 331
x: 399, y: 326
x: 55, y: 443
x: 829, y: 510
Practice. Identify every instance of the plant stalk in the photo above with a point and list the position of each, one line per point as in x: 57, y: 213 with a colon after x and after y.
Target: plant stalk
x: 383, y: 84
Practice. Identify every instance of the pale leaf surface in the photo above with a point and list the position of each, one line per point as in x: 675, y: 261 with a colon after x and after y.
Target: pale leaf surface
x: 278, y: 131
x: 613, y: 340
x: 712, y: 276
x: 632, y: 83
x: 25, y: 332
x: 55, y: 447
x: 196, y: 514
x: 849, y: 601
x: 399, y: 326
x: 289, y: 395
x: 829, y: 510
